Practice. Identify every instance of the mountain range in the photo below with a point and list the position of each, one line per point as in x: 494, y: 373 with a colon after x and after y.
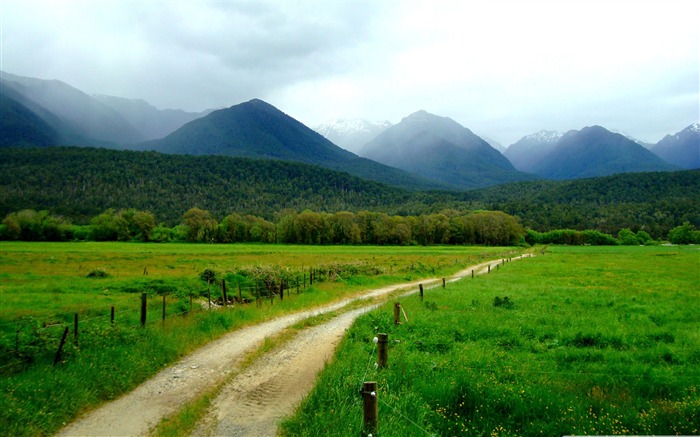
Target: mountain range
x: 423, y: 151
x: 681, y: 149
x: 256, y: 129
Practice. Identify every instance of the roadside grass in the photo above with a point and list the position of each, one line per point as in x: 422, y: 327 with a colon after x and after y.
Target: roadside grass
x: 588, y: 341
x: 44, y: 285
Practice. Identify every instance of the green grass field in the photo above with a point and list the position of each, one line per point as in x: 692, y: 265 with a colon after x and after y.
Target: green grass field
x: 44, y: 285
x: 590, y: 340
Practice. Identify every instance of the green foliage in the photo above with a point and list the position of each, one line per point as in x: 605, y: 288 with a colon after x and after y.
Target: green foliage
x: 97, y: 274
x: 82, y: 183
x: 684, y: 234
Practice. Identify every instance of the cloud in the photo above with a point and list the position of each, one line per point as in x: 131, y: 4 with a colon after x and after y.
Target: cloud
x: 502, y: 68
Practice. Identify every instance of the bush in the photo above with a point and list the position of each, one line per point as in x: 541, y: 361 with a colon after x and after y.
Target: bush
x: 685, y: 234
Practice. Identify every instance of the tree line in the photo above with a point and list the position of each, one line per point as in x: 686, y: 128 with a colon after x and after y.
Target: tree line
x: 291, y: 227
x: 81, y: 183
x: 493, y: 228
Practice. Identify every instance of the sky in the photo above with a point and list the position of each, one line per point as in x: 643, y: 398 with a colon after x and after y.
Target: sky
x: 502, y: 68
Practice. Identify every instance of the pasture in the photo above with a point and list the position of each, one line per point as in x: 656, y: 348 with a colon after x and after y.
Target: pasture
x: 45, y: 287
x: 583, y: 340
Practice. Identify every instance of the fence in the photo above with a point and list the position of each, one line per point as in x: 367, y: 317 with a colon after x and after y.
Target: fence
x: 34, y: 341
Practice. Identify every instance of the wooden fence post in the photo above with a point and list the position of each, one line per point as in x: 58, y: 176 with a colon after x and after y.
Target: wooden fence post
x: 370, y: 408
x: 420, y: 291
x: 382, y: 349
x: 57, y: 359
x: 281, y: 290
x: 443, y: 282
x: 489, y: 268
x: 112, y: 315
x: 397, y: 313
x: 223, y: 292
x: 143, y: 310
x: 472, y: 273
x: 75, y: 328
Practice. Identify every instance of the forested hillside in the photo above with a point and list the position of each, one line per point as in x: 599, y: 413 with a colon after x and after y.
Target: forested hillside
x: 81, y: 183
x: 654, y: 202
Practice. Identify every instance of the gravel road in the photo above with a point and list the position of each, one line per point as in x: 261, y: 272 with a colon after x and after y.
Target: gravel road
x: 251, y: 403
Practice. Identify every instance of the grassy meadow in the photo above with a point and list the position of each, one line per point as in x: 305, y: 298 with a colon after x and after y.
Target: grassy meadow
x: 43, y: 286
x: 582, y: 340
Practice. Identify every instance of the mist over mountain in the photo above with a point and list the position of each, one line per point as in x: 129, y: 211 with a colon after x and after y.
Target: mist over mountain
x: 595, y: 151
x: 81, y: 114
x: 152, y: 123
x: 681, y: 149
x: 257, y: 129
x: 527, y: 152
x: 441, y: 149
x: 22, y: 127
x: 351, y: 134
x: 495, y: 144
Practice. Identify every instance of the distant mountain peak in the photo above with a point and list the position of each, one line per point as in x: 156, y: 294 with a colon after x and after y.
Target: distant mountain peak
x: 545, y: 136
x: 695, y: 127
x: 352, y: 133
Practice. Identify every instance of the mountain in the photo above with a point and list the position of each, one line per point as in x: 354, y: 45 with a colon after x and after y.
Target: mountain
x: 151, y: 122
x: 495, y: 144
x: 595, y: 151
x: 640, y: 142
x: 80, y: 115
x: 22, y: 127
x: 528, y: 151
x: 351, y: 134
x: 257, y: 129
x: 681, y: 149
x: 440, y: 149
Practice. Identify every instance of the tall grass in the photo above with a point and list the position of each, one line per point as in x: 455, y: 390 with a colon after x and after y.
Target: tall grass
x: 592, y: 341
x: 44, y: 285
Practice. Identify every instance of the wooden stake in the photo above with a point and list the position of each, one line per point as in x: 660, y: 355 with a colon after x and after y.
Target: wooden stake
x: 382, y: 349
x: 223, y: 292
x: 420, y: 291
x: 397, y: 313
x: 112, y: 315
x: 281, y: 290
x: 443, y: 282
x: 57, y: 359
x: 75, y: 329
x: 472, y: 273
x: 370, y: 408
x: 143, y: 309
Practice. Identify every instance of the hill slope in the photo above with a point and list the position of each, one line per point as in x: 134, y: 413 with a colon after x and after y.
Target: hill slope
x: 82, y: 182
x: 595, y: 151
x: 440, y: 149
x: 256, y: 129
x: 681, y: 149
x: 151, y: 122
x: 22, y: 127
x: 86, y: 116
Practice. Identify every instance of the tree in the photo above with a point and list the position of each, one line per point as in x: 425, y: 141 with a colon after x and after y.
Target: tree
x: 684, y: 234
x: 199, y: 225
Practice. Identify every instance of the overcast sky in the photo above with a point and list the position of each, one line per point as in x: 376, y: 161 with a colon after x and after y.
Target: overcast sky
x: 504, y: 69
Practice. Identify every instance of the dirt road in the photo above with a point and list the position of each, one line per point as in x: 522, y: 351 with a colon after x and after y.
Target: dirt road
x: 252, y: 403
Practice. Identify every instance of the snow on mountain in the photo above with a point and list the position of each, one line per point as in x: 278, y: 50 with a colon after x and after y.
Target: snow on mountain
x: 630, y: 137
x: 351, y: 133
x: 544, y: 136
